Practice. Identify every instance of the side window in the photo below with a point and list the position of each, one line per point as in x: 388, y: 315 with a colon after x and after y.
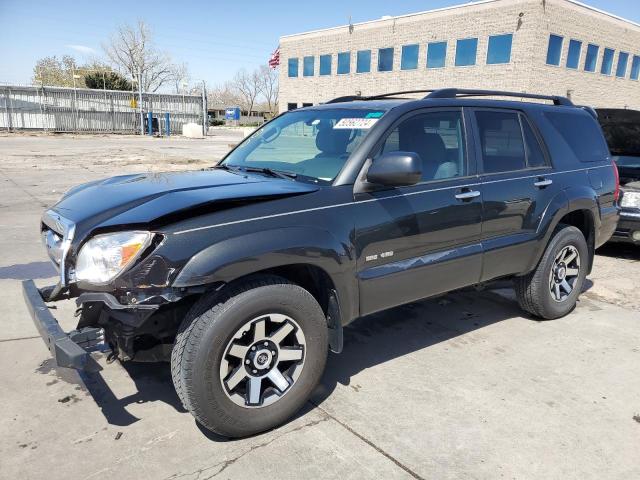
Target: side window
x: 581, y: 134
x: 501, y: 141
x: 438, y: 138
x: 535, y: 155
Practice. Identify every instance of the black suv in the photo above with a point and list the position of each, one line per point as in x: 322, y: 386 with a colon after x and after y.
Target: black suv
x: 244, y: 274
x: 621, y: 129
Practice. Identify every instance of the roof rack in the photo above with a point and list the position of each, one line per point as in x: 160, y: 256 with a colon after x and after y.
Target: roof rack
x: 351, y: 98
x: 461, y: 92
x: 456, y: 93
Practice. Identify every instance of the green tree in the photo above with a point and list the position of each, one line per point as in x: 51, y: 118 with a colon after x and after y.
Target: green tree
x: 58, y: 72
x: 107, y: 80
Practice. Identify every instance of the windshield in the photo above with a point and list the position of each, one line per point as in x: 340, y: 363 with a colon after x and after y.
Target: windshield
x: 312, y: 144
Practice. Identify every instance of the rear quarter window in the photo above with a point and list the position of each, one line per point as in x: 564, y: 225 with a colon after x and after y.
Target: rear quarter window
x: 581, y: 133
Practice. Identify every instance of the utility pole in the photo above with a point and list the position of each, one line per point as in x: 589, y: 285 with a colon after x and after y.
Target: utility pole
x: 140, y: 101
x: 204, y: 109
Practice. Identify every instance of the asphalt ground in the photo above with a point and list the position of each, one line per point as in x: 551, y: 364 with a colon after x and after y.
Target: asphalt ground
x: 461, y: 386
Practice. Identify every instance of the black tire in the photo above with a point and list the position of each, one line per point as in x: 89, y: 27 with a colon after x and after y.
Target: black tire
x: 533, y: 290
x: 209, y: 327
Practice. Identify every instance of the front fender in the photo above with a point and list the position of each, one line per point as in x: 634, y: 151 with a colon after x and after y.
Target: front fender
x: 236, y: 257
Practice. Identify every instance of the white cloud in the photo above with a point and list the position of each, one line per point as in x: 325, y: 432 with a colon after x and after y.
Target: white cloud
x: 82, y: 49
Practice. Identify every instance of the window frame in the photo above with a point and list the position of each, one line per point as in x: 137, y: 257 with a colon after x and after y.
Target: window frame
x: 475, y: 60
x: 347, y: 53
x: 626, y: 64
x: 521, y: 116
x: 403, y: 50
x: 297, y: 62
x: 469, y: 158
x: 309, y: 59
x: 500, y: 35
x: 392, y: 49
x: 358, y: 52
x: 580, y: 43
x: 635, y: 63
x: 605, y: 51
x: 561, y: 47
x: 596, y: 55
x: 444, y: 58
x: 325, y: 56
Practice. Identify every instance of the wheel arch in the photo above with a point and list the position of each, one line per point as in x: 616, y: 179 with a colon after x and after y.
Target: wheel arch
x: 577, y: 207
x: 309, y: 257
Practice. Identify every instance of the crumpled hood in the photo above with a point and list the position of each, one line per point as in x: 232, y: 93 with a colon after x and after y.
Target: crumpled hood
x: 147, y: 198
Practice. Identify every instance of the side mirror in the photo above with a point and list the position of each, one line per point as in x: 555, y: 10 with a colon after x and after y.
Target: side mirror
x: 396, y: 169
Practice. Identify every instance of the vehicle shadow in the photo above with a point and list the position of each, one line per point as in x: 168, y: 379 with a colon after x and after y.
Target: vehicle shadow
x: 26, y: 271
x: 624, y: 251
x: 152, y: 384
x: 385, y: 336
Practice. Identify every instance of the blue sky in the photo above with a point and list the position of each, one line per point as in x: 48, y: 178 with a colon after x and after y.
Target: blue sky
x: 214, y: 38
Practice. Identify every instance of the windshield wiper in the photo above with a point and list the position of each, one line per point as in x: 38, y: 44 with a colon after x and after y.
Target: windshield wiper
x: 272, y: 172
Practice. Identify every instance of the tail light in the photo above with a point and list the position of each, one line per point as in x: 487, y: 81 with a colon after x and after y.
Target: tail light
x: 616, y: 193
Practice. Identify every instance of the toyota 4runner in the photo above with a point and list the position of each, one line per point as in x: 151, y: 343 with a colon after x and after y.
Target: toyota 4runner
x: 244, y: 274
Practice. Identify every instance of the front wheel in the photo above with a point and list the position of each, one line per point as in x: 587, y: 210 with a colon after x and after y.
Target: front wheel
x: 552, y: 289
x: 246, y: 360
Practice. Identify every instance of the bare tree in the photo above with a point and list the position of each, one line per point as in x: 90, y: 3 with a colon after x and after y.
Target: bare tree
x: 246, y: 85
x: 181, y: 77
x: 224, y: 95
x: 268, y: 87
x: 131, y: 49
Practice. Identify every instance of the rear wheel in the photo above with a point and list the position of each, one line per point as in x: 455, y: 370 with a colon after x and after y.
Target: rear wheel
x: 552, y: 289
x: 246, y: 360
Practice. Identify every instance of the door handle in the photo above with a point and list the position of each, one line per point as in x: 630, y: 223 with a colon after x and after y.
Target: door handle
x: 467, y: 195
x: 543, y: 182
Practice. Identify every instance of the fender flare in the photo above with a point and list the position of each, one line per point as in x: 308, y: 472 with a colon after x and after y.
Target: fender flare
x: 236, y: 257
x: 568, y: 200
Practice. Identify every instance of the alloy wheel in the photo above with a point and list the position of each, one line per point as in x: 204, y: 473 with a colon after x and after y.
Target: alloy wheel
x: 263, y: 360
x: 564, y: 273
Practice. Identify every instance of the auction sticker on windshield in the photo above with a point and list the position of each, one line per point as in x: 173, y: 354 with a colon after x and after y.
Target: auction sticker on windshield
x: 355, y: 123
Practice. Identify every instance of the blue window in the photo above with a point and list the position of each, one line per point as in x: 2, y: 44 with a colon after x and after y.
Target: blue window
x: 592, y: 58
x: 308, y: 65
x: 385, y: 59
x: 325, y: 64
x: 573, y: 57
x: 499, y: 50
x: 293, y: 67
x: 554, y: 50
x: 409, y: 60
x: 607, y: 61
x: 466, y: 51
x: 621, y: 69
x: 436, y: 54
x: 344, y: 63
x: 635, y: 68
x: 363, y: 63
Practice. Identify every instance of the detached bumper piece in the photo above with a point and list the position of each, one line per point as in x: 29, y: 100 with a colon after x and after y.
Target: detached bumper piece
x: 67, y: 349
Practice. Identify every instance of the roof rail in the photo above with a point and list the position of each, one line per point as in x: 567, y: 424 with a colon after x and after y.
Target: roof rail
x: 462, y: 92
x: 351, y: 98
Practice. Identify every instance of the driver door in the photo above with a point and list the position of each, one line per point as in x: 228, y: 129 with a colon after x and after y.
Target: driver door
x: 418, y: 241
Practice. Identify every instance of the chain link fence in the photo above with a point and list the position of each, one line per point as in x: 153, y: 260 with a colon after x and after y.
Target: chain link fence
x: 80, y: 110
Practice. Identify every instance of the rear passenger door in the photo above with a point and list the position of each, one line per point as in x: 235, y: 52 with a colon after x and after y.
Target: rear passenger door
x: 516, y: 184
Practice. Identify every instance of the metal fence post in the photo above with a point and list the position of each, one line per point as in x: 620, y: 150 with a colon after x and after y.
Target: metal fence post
x: 9, y: 110
x: 204, y: 109
x: 140, y: 101
x: 150, y: 123
x: 167, y: 124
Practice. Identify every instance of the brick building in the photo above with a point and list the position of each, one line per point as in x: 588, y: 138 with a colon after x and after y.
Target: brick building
x: 560, y: 47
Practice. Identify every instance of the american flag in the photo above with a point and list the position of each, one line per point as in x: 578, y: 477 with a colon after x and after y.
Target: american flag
x: 274, y: 61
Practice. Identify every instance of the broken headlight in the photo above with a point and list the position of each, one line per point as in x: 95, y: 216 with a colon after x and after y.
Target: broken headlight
x: 105, y: 256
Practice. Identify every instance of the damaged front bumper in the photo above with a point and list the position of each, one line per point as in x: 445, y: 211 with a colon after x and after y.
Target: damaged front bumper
x: 69, y: 350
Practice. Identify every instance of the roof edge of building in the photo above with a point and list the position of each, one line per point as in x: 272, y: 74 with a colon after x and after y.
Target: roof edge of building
x: 452, y: 7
